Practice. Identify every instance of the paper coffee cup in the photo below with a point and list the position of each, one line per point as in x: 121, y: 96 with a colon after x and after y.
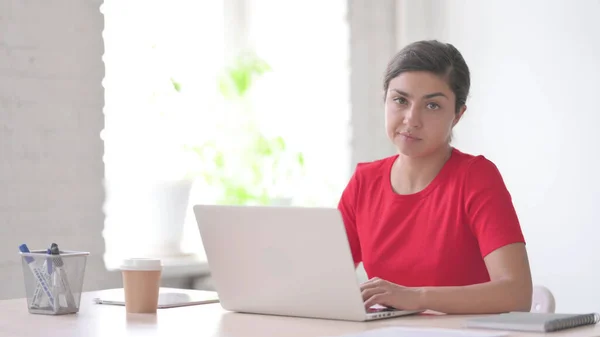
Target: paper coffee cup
x: 141, y: 283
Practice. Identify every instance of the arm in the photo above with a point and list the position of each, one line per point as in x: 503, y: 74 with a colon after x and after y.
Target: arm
x: 509, y: 289
x: 347, y: 209
x: 493, y: 220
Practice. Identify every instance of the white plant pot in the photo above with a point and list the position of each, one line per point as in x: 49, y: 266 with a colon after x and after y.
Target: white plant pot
x: 144, y: 218
x: 281, y: 201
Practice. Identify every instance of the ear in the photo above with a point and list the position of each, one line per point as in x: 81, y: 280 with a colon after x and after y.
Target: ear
x: 459, y: 115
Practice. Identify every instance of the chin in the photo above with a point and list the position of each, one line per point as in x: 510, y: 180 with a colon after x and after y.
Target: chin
x: 416, y: 150
x: 410, y: 151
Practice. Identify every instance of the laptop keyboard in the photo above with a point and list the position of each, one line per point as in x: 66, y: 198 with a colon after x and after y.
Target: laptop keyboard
x: 375, y: 309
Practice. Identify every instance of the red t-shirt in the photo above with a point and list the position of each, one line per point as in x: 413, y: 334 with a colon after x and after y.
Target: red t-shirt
x: 436, y: 237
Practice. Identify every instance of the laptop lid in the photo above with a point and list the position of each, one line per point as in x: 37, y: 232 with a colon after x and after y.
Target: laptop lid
x: 292, y: 261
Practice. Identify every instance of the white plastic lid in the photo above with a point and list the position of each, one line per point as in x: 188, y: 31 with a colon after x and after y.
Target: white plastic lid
x: 141, y: 264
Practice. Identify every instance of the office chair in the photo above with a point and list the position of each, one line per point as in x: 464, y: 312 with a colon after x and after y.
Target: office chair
x: 543, y: 301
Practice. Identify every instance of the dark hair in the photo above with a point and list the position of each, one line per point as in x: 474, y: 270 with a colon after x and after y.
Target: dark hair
x: 442, y: 59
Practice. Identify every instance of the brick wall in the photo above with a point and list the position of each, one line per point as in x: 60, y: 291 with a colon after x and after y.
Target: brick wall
x: 51, y: 102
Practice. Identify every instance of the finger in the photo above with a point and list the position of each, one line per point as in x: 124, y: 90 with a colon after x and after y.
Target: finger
x: 372, y: 283
x: 370, y: 292
x: 372, y: 280
x: 380, y: 298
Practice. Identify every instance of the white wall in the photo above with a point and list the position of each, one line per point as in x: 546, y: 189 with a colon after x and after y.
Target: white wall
x: 373, y: 38
x: 51, y: 102
x: 372, y: 41
x: 532, y: 110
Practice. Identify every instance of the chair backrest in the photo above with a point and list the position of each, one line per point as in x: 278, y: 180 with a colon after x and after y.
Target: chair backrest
x: 543, y: 301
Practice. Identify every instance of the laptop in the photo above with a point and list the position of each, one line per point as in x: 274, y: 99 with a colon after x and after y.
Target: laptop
x: 286, y: 261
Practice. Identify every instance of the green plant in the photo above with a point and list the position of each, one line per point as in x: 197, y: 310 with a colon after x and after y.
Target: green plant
x: 236, y: 80
x: 253, y: 172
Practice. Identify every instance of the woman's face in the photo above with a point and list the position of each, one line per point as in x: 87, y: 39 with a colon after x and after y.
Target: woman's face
x: 420, y: 113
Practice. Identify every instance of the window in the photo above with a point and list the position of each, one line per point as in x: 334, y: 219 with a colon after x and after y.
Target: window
x: 164, y: 62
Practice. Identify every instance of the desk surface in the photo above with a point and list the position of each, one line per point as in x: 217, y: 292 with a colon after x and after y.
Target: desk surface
x: 207, y: 320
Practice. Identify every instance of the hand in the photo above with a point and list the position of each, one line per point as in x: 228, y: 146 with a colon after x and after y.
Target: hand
x: 382, y: 292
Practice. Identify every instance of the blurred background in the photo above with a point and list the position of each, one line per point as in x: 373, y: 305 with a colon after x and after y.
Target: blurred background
x: 117, y: 116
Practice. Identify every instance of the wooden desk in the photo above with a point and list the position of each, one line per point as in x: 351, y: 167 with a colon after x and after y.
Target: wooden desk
x: 205, y: 320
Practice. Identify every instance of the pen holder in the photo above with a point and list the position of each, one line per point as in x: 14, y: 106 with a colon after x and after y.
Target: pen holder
x: 53, y: 283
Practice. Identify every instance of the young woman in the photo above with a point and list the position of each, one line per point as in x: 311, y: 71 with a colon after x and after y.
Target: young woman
x: 435, y: 228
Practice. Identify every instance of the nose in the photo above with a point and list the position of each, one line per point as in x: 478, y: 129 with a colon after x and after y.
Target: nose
x: 412, y: 117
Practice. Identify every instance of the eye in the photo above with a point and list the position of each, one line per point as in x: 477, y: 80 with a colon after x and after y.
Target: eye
x: 400, y: 100
x: 432, y: 106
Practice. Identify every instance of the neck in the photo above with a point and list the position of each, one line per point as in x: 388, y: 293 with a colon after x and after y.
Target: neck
x: 413, y: 174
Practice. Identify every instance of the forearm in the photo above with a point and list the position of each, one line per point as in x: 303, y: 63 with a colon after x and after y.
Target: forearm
x: 491, y: 297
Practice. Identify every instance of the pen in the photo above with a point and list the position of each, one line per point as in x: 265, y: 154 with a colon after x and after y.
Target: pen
x: 49, y: 262
x: 35, y: 300
x: 56, y: 291
x: 38, y: 275
x: 38, y: 289
x: 60, y: 273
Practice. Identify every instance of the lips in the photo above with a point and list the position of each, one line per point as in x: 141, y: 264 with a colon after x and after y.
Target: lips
x: 408, y: 136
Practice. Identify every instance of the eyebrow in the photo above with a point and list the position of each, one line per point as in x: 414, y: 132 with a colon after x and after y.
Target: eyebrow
x: 428, y: 96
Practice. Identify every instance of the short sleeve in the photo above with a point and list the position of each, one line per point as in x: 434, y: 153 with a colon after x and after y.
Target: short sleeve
x: 347, y: 208
x: 489, y: 207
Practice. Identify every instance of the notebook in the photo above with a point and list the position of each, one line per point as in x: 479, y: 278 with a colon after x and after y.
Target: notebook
x: 530, y: 321
x: 424, y: 332
x: 167, y: 298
